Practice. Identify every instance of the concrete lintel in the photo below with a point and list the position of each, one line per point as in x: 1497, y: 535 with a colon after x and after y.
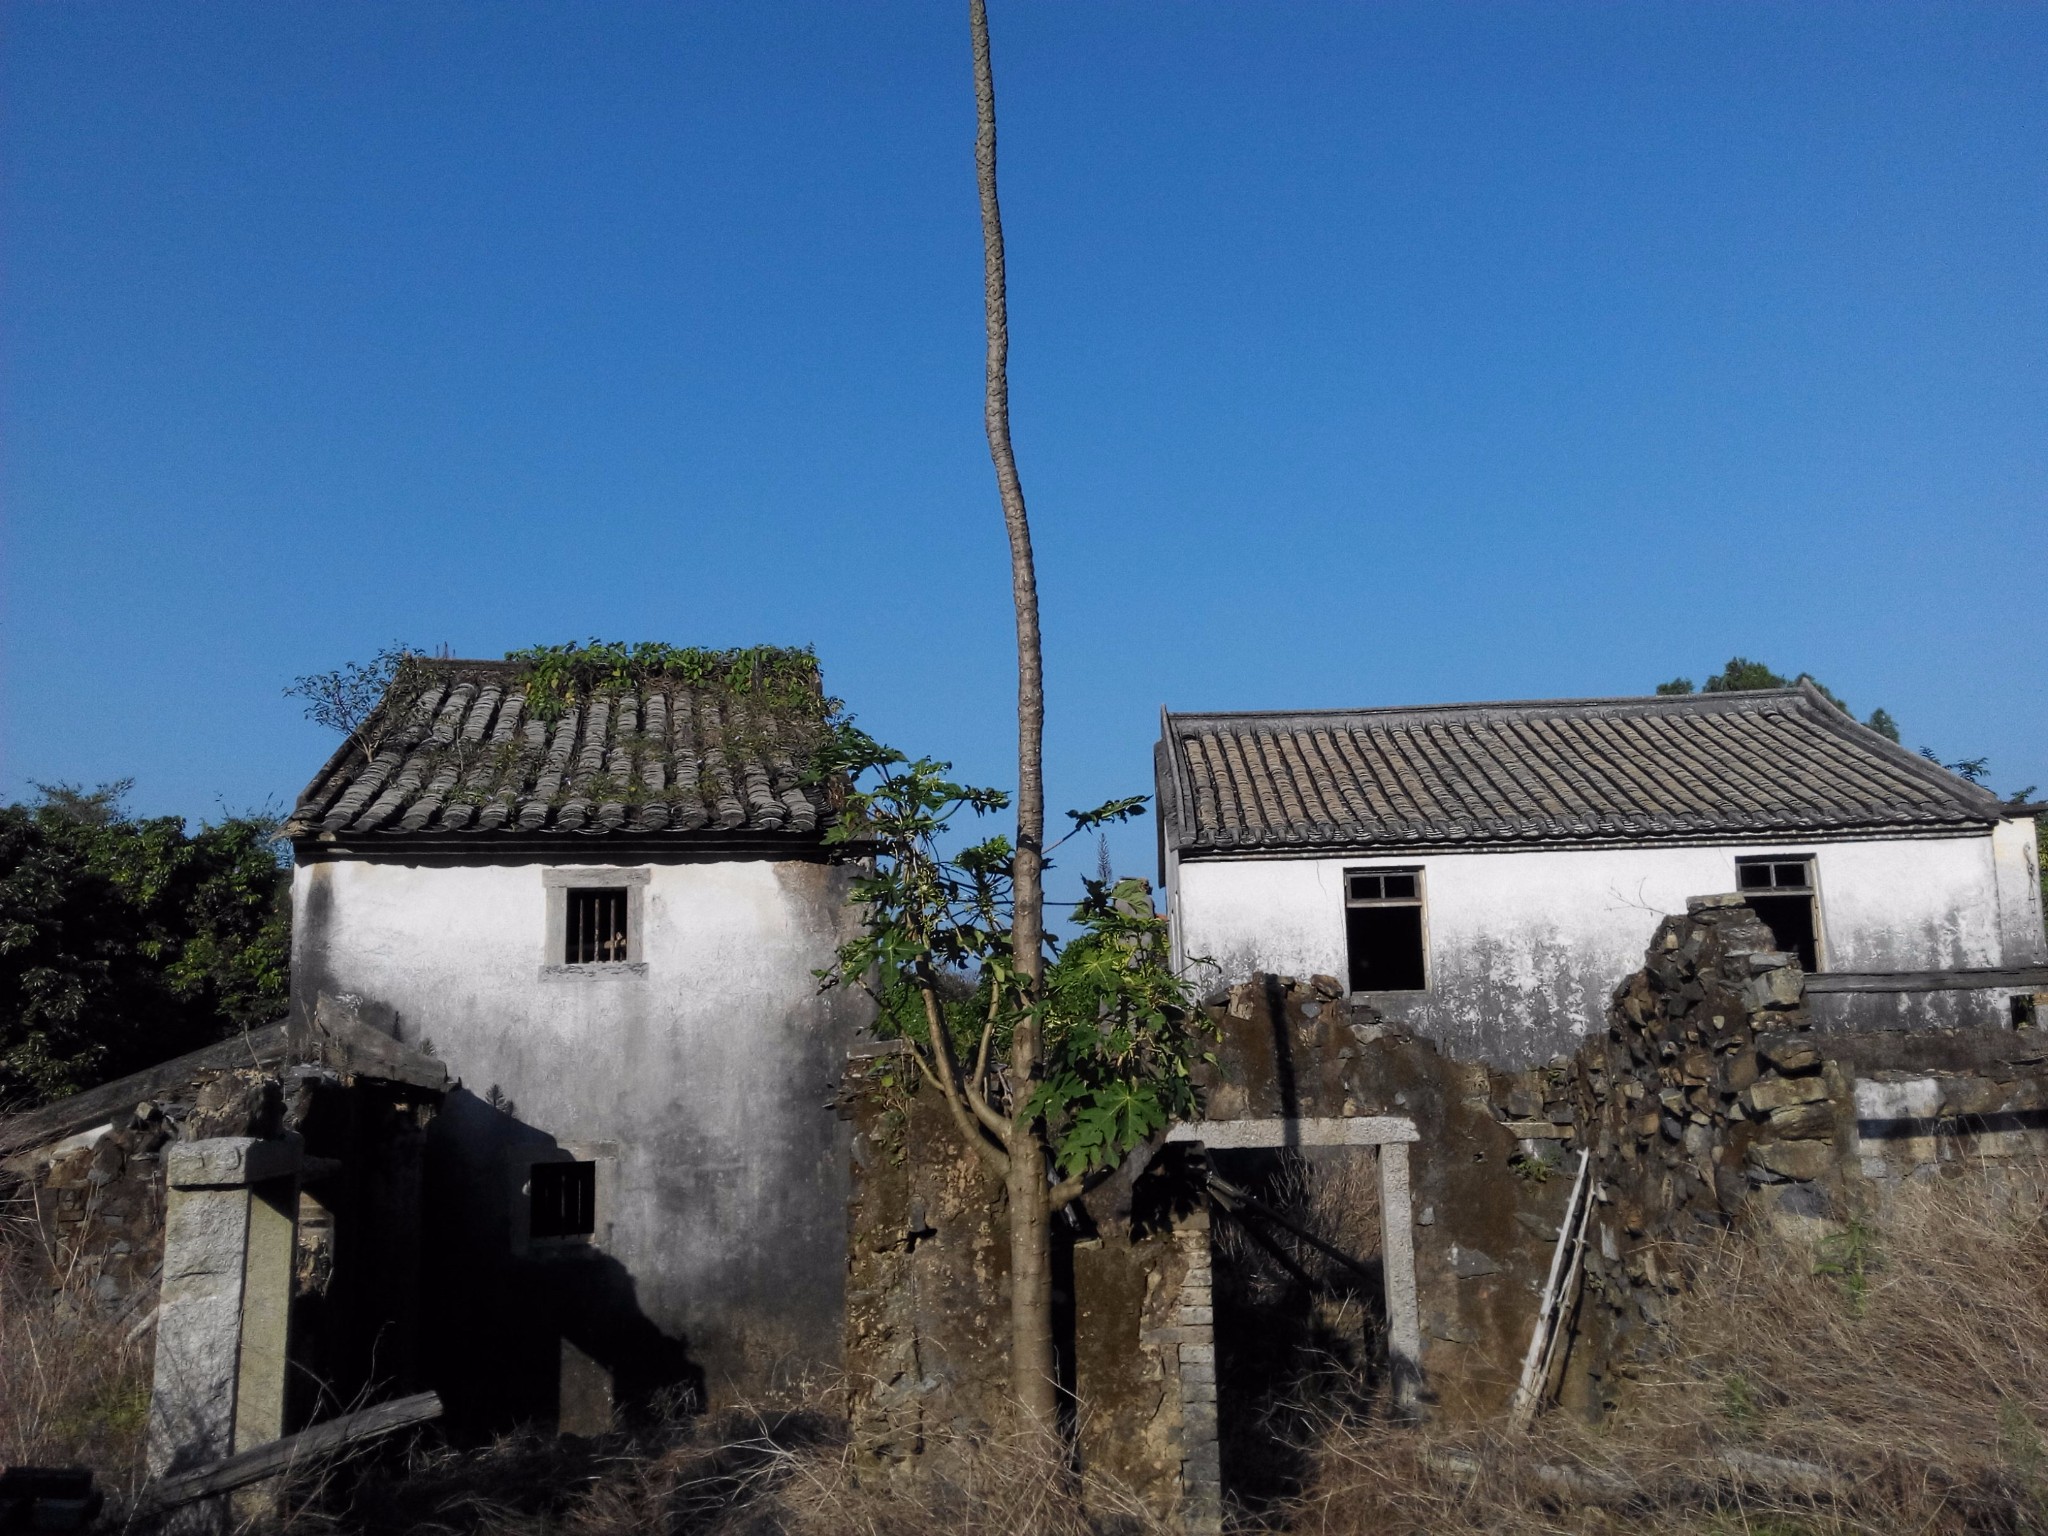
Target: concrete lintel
x: 232, y: 1162
x: 1350, y: 1131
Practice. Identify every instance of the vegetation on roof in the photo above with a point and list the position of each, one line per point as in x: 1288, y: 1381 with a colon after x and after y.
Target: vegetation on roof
x: 785, y: 678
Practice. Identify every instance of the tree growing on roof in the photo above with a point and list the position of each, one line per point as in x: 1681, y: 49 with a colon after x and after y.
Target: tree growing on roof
x: 347, y: 699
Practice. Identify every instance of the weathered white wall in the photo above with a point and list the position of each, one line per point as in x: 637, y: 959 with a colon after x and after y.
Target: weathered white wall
x: 708, y: 1073
x: 2016, y: 850
x: 1525, y: 947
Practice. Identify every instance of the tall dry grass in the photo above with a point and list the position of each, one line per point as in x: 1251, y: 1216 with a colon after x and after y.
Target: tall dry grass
x: 1893, y: 1378
x: 739, y: 1474
x: 74, y: 1372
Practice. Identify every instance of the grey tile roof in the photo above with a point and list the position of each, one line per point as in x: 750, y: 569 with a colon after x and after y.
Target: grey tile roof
x: 459, y: 753
x: 1717, y: 765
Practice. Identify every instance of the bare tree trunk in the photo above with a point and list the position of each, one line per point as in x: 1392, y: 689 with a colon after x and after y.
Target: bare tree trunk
x: 1031, y: 1342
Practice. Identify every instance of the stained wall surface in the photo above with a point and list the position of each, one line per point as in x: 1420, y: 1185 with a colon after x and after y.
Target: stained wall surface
x: 1525, y: 947
x: 700, y: 1081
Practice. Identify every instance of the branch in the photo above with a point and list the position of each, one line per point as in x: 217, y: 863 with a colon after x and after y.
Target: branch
x: 1075, y: 1185
x: 967, y: 1115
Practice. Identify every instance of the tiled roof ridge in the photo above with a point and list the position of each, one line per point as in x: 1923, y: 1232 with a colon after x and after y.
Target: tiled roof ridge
x: 1769, y: 761
x: 458, y: 750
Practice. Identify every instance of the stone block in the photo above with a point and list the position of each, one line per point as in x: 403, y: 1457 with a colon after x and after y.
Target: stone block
x: 1798, y: 1122
x: 1781, y: 1092
x: 1789, y: 1053
x: 232, y: 1162
x: 1198, y: 1353
x: 1778, y: 989
x: 1794, y: 1159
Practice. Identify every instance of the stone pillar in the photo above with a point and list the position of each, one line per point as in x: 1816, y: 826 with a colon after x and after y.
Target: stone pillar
x: 222, y: 1323
x: 1201, y: 1466
x: 1397, y: 1266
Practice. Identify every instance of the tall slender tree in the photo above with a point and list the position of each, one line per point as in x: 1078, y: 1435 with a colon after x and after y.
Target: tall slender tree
x: 1031, y: 1340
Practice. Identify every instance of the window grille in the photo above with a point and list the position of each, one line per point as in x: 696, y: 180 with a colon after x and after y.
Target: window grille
x: 596, y: 927
x: 562, y: 1200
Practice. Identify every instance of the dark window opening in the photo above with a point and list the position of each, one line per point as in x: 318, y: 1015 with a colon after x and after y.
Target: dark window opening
x: 1383, y: 931
x: 562, y: 1199
x: 597, y: 926
x: 1780, y: 892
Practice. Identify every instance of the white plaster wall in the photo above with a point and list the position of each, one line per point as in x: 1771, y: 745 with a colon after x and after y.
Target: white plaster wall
x: 2017, y: 851
x: 710, y: 1069
x: 1526, y: 946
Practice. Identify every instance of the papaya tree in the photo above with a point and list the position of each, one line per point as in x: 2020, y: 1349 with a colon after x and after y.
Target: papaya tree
x: 1112, y: 1027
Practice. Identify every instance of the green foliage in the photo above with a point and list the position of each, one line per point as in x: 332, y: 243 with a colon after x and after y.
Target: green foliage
x: 1742, y: 675
x: 1535, y: 1167
x: 784, y: 678
x: 124, y: 942
x: 1972, y: 769
x: 1849, y: 1258
x: 1118, y: 1027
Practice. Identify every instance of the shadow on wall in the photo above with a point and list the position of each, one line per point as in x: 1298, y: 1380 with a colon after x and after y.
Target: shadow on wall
x: 553, y: 1336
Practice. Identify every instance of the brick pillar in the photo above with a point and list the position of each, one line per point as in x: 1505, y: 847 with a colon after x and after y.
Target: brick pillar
x: 1201, y: 1466
x: 222, y: 1323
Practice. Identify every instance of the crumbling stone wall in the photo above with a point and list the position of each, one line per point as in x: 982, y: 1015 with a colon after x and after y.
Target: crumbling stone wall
x: 358, y: 1102
x: 1489, y: 1175
x: 927, y: 1315
x: 1709, y: 1089
x: 1717, y: 1097
x: 98, y: 1197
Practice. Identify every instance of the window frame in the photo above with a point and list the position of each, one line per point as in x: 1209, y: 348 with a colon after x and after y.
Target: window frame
x: 1810, y: 890
x: 521, y: 1161
x: 557, y: 883
x: 1419, y: 901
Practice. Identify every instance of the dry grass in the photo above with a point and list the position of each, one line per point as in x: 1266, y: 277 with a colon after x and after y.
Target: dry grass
x: 1890, y: 1380
x: 1893, y: 1379
x: 741, y: 1474
x: 74, y: 1374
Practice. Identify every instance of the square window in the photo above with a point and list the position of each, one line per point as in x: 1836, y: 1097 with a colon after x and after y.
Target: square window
x: 1383, y: 931
x: 596, y: 929
x: 561, y: 1200
x: 1781, y: 892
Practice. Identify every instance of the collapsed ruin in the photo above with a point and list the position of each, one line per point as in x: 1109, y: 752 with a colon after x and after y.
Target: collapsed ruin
x: 1713, y: 1097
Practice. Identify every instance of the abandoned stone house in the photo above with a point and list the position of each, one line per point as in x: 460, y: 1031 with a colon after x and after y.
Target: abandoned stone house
x: 1489, y: 872
x: 605, y: 923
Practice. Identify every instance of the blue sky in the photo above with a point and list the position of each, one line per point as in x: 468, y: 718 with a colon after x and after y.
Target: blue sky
x: 1362, y: 355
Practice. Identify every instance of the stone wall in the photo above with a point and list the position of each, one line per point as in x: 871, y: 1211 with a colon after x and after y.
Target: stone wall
x: 355, y: 1105
x: 1489, y: 1176
x: 928, y: 1298
x: 1718, y: 1098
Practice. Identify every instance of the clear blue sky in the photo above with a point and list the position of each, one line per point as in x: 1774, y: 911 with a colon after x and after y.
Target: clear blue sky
x: 1363, y: 355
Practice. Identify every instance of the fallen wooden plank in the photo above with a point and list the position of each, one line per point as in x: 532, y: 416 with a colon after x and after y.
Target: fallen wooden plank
x: 293, y: 1451
x: 2029, y: 976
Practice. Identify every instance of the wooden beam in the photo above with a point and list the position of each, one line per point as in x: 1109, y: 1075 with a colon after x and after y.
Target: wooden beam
x: 292, y: 1452
x: 96, y: 1106
x: 2026, y: 977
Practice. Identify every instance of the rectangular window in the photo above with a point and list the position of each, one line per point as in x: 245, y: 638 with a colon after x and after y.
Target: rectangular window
x: 1383, y: 930
x: 1781, y: 893
x: 562, y: 1200
x: 596, y: 929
